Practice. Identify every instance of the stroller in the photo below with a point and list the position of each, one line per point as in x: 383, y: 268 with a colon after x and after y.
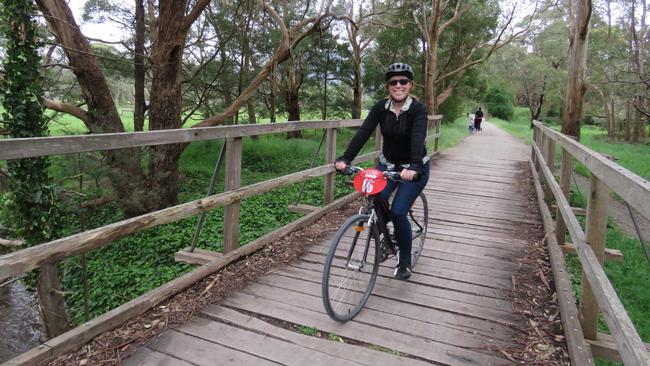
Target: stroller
x: 470, y: 127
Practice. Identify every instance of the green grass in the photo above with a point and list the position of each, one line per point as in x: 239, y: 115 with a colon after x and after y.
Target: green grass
x: 518, y: 127
x: 451, y: 134
x: 635, y: 157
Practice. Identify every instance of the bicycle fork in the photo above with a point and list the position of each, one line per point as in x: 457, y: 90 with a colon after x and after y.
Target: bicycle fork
x: 358, y: 264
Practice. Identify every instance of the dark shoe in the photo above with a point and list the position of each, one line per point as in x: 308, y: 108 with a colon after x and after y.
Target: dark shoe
x: 402, y: 272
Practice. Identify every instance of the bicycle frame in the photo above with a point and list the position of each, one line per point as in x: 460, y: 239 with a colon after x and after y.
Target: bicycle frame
x: 375, y: 222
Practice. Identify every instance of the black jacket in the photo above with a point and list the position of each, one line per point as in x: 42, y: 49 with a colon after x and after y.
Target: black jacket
x: 403, y: 136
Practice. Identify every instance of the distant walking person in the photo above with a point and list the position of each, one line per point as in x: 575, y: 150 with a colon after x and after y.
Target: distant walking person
x: 470, y: 126
x: 478, y: 118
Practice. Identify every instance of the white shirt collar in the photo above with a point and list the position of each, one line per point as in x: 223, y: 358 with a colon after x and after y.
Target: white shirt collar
x: 405, y: 106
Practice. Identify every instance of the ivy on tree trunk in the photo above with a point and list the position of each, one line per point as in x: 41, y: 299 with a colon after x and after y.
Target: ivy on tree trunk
x: 32, y: 199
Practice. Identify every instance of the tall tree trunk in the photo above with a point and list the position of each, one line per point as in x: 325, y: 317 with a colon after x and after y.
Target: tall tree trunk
x: 293, y: 100
x: 246, y: 68
x: 325, y: 74
x: 274, y: 92
x: 577, y: 62
x: 430, y: 91
x: 165, y: 110
x: 357, y: 90
x: 611, y: 118
x: 628, y: 120
x: 125, y: 173
x: 51, y: 302
x: 138, y: 64
x: 638, y: 120
x: 637, y: 43
x: 615, y: 123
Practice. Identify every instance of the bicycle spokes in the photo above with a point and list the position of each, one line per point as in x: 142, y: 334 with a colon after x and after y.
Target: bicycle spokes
x: 350, y: 268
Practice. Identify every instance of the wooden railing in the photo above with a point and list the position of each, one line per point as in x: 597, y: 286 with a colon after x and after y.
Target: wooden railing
x: 598, y: 294
x: 52, y: 252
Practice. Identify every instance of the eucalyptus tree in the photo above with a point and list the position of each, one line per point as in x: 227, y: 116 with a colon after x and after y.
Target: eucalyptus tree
x: 579, y: 15
x: 533, y: 79
x: 638, y: 27
x: 293, y: 28
x: 607, y: 59
x: 363, y: 21
x: 139, y: 186
x: 393, y: 44
x: 212, y: 72
x: 169, y: 24
x: 474, y: 31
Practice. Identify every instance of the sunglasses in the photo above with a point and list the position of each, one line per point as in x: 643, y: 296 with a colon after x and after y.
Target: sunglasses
x: 400, y: 81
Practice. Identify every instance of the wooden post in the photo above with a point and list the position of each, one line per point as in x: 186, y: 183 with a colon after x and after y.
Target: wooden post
x: 533, y: 156
x: 378, y: 142
x: 549, y: 156
x: 329, y: 159
x: 232, y: 181
x: 52, y: 304
x: 541, y: 144
x: 566, y: 168
x: 595, y: 236
x: 436, y: 123
x: 532, y: 151
x: 550, y: 162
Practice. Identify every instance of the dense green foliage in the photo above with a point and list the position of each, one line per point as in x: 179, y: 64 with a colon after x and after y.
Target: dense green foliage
x: 499, y: 103
x: 32, y: 198
x: 138, y: 263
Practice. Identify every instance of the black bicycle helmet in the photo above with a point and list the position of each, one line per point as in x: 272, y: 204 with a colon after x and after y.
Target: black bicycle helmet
x: 399, y: 68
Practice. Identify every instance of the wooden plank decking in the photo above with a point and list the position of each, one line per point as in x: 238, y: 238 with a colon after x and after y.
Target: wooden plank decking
x: 453, y: 310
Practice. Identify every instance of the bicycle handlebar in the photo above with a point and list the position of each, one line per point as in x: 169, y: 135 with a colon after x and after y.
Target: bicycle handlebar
x: 393, y: 175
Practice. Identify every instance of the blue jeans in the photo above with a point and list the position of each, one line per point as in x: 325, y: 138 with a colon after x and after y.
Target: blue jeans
x: 406, y: 194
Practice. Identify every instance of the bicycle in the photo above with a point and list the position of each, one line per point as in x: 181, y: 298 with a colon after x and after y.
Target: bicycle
x: 363, y: 242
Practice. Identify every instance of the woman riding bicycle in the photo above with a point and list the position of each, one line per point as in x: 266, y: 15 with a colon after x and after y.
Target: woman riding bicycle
x: 403, y: 123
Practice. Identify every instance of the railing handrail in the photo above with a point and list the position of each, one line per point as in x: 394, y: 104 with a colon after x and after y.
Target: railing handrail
x: 628, y: 185
x: 19, y: 148
x: 634, y: 190
x: 51, y: 252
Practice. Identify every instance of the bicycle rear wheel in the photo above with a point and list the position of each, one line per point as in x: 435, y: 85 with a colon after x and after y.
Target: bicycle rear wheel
x: 418, y: 217
x: 351, y: 268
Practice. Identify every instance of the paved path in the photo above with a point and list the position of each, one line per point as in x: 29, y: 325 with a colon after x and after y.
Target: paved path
x: 453, y: 310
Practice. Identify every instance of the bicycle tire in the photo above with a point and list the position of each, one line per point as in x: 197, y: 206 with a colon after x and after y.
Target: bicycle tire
x: 354, y: 252
x: 419, y: 218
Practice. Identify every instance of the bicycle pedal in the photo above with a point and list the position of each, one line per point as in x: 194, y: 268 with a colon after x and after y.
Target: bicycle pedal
x: 387, y: 250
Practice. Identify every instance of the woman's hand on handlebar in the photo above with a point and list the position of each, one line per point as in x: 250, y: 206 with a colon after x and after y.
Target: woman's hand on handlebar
x: 408, y: 175
x: 340, y: 165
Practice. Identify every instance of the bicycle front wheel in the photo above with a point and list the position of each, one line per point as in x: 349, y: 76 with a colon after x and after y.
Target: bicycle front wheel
x: 418, y: 217
x: 351, y: 268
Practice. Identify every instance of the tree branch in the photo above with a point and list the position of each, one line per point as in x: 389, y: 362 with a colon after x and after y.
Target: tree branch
x: 195, y: 13
x: 66, y: 108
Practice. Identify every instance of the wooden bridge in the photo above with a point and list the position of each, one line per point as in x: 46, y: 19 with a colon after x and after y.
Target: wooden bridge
x: 488, y: 211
